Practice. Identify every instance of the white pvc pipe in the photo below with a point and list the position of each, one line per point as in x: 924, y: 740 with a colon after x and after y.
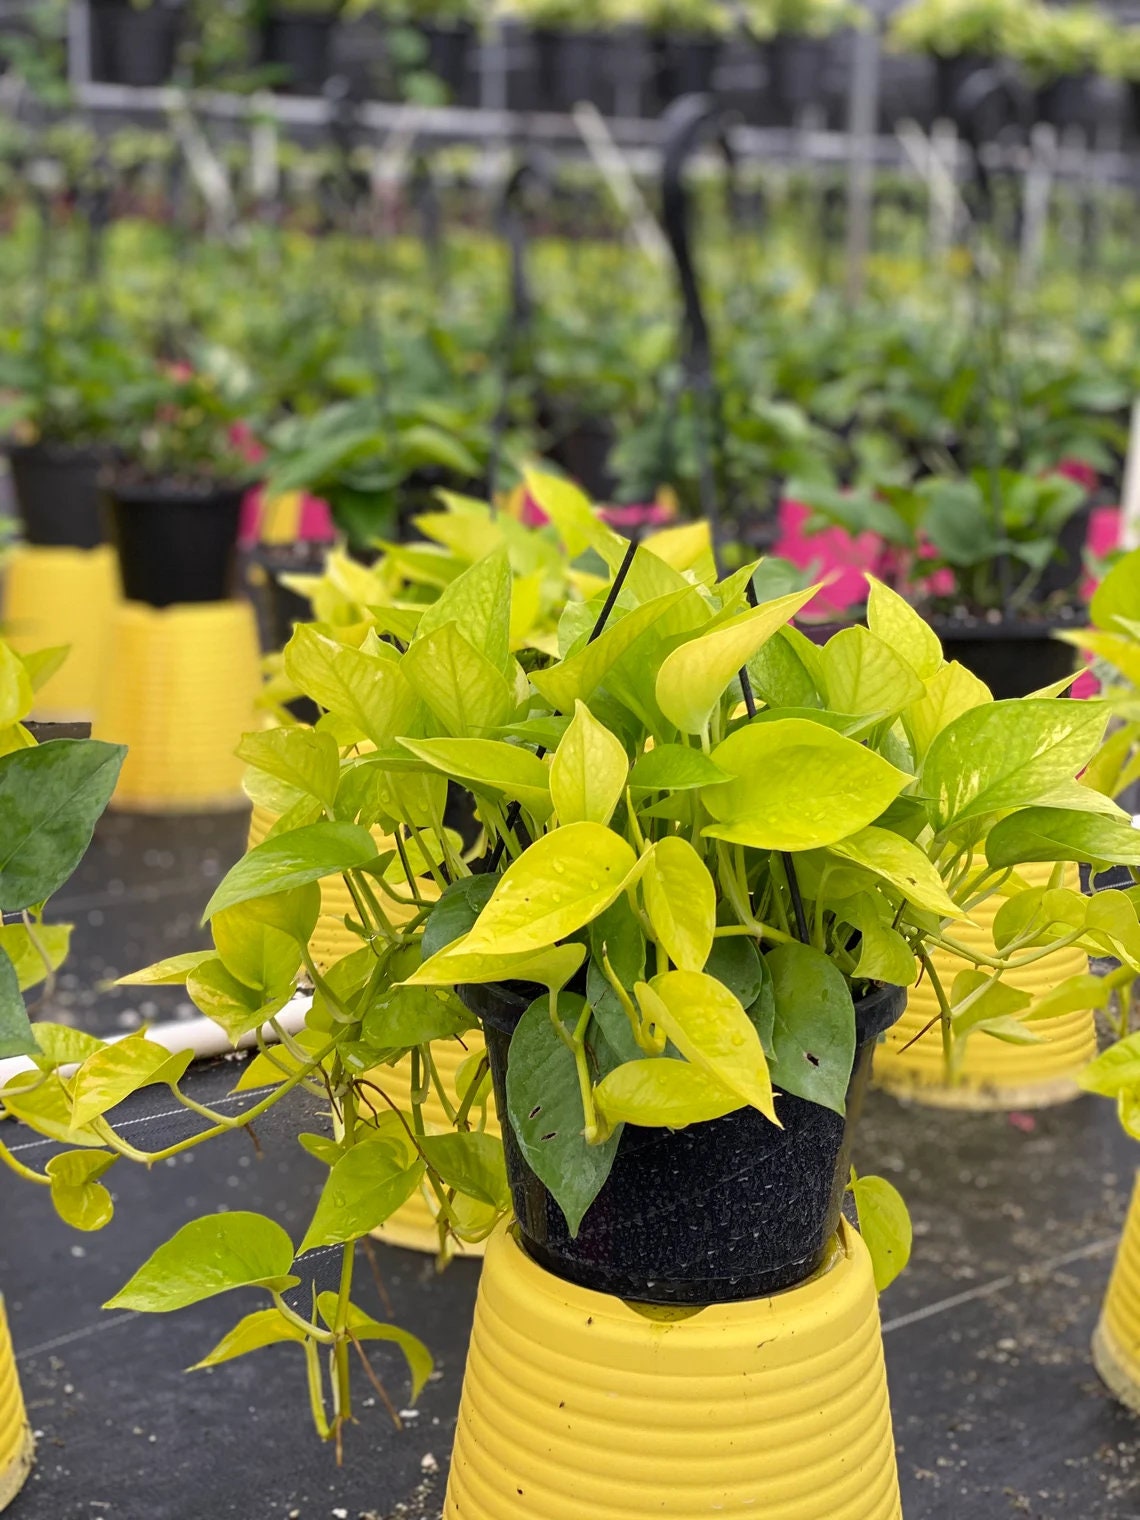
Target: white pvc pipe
x: 202, y: 1036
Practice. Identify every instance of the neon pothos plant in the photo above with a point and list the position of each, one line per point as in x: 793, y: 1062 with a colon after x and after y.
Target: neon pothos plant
x: 702, y: 889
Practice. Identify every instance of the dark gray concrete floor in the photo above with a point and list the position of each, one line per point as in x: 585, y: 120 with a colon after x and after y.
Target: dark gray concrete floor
x: 998, y: 1412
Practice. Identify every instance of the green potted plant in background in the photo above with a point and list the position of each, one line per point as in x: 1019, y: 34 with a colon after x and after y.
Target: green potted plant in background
x: 797, y: 34
x: 962, y: 36
x: 974, y: 552
x: 1061, y: 50
x: 296, y: 41
x: 177, y: 481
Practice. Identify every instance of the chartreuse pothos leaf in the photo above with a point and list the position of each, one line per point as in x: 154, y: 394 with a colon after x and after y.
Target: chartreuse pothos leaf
x: 950, y: 691
x: 813, y: 1038
x: 885, y: 1226
x: 221, y: 996
x: 16, y: 1037
x: 51, y: 797
x: 979, y: 1000
x: 293, y: 860
x: 693, y: 678
x: 708, y: 1025
x: 1007, y: 755
x: 79, y: 1198
x: 680, y: 898
x: 61, y: 1045
x: 490, y: 765
x: 472, y: 1164
x: 544, y: 1104
x: 113, y: 1073
x: 579, y: 676
x: 588, y: 772
x: 44, y: 1105
x: 464, y: 690
x: 864, y: 675
x: 264, y: 1327
x: 674, y: 768
x: 209, y: 1256
x: 35, y: 953
x: 369, y: 692
x: 796, y: 786
x: 479, y: 603
x: 1047, y: 833
x: 362, y: 1327
x: 260, y: 941
x: 171, y: 972
x: 1118, y: 594
x: 365, y: 1187
x: 891, y: 618
x: 663, y: 1093
x: 455, y: 963
x: 562, y: 881
x: 306, y: 759
x: 903, y: 864
x: 409, y: 1015
x: 1115, y: 1070
x: 15, y: 687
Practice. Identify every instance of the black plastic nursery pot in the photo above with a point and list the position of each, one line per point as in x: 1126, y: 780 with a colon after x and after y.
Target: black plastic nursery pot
x: 572, y: 68
x: 685, y: 65
x: 174, y: 544
x: 57, y: 492
x: 1013, y: 659
x: 134, y: 45
x: 731, y: 1209
x: 796, y: 77
x: 1069, y: 101
x: 300, y: 43
x: 451, y: 58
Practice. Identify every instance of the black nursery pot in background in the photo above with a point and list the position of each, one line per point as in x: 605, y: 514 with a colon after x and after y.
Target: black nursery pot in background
x: 1069, y: 101
x: 300, y: 43
x: 1013, y: 659
x: 134, y: 45
x: 57, y: 493
x: 796, y: 74
x: 731, y: 1209
x: 176, y: 545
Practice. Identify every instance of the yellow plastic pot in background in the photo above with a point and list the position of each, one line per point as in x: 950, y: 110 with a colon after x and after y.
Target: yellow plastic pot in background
x: 56, y: 596
x: 413, y: 1226
x: 1116, y: 1339
x: 17, y: 1447
x: 181, y: 688
x: 993, y: 1074
x: 580, y: 1406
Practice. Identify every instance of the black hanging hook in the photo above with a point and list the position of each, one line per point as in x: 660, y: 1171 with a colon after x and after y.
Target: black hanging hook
x: 686, y: 122
x: 511, y: 221
x: 986, y: 105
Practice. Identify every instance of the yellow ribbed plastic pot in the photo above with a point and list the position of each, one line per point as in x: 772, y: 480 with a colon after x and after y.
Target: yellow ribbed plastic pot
x: 181, y: 690
x: 16, y: 1445
x: 55, y: 596
x: 1116, y: 1339
x: 579, y: 1406
x: 993, y: 1074
x: 413, y: 1226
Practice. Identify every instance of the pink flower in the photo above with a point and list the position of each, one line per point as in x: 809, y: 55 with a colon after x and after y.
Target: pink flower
x: 831, y: 551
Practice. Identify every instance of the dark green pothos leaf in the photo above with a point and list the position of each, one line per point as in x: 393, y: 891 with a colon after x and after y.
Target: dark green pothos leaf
x: 813, y: 1039
x: 16, y: 1037
x: 456, y: 911
x: 51, y: 797
x: 545, y: 1109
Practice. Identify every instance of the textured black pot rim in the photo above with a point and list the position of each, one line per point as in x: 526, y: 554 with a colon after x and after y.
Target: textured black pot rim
x: 1010, y: 630
x: 875, y: 1011
x: 160, y: 493
x: 54, y: 451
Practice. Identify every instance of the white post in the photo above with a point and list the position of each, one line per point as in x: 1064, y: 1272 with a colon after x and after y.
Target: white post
x: 863, y: 109
x: 1130, y: 492
x: 615, y: 170
x: 1038, y: 191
